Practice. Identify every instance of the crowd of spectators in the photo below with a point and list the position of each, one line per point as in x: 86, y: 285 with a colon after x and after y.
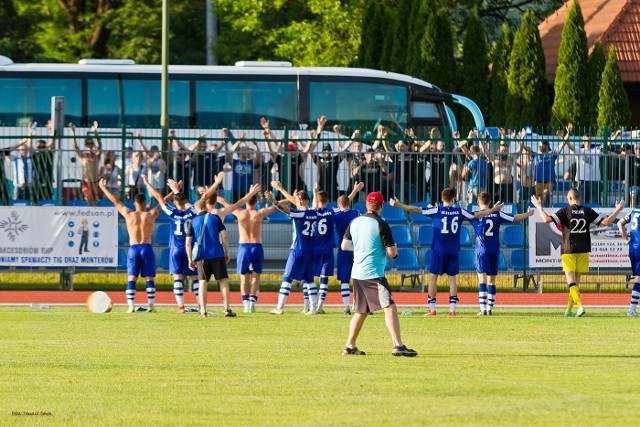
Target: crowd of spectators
x: 414, y: 167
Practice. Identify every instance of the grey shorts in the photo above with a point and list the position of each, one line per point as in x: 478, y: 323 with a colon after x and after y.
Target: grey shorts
x: 371, y: 295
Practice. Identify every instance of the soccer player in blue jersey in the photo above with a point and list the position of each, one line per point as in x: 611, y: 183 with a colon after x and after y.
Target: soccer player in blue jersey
x: 488, y: 250
x: 633, y: 240
x: 140, y: 259
x: 341, y: 220
x: 575, y: 220
x: 447, y: 220
x: 325, y: 241
x: 300, y: 264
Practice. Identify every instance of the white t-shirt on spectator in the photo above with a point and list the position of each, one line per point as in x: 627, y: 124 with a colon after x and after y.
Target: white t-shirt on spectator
x: 588, y: 164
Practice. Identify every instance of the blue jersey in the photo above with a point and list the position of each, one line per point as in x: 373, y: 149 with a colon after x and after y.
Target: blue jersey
x: 544, y: 166
x: 447, y: 221
x: 303, y: 230
x: 323, y: 230
x: 211, y: 246
x: 179, y: 218
x: 341, y: 220
x: 242, y: 175
x: 632, y: 217
x: 488, y: 232
x: 479, y: 168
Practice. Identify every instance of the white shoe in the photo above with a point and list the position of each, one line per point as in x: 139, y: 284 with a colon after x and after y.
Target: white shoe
x: 632, y: 313
x: 277, y: 311
x: 311, y: 313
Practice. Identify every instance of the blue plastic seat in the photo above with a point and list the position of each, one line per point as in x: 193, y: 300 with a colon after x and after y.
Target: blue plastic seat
x: 407, y: 260
x: 467, y: 260
x: 560, y: 205
x: 120, y: 236
x: 401, y: 235
x: 473, y: 207
x: 130, y: 205
x: 360, y: 206
x: 393, y: 215
x: 593, y: 205
x: 502, y: 262
x: 512, y: 236
x: 515, y: 259
x: 510, y: 208
x: 81, y: 203
x: 164, y: 259
x: 425, y: 235
x: 19, y: 202
x: 104, y: 204
x: 418, y: 218
x: 163, y: 217
x: 162, y: 234
x: 47, y: 202
x: 465, y: 237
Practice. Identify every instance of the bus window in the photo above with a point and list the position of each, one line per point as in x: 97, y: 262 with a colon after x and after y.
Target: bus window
x: 424, y: 110
x: 29, y: 99
x: 142, y: 103
x: 359, y: 105
x: 241, y: 104
x: 104, y: 102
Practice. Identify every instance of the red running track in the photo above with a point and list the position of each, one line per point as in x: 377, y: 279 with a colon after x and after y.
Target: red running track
x: 270, y: 298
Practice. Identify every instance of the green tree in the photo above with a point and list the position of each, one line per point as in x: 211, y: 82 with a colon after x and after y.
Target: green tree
x: 499, y: 77
x: 475, y: 67
x: 17, y: 39
x: 526, y: 101
x: 420, y: 12
x: 387, y: 18
x: 400, y: 37
x: 366, y: 52
x: 613, y: 107
x: 437, y: 53
x: 596, y: 68
x: 571, y: 98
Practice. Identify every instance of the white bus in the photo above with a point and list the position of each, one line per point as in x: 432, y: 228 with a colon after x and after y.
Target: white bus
x: 120, y: 92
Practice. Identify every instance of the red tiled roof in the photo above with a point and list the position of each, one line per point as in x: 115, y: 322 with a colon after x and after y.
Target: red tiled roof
x: 614, y: 22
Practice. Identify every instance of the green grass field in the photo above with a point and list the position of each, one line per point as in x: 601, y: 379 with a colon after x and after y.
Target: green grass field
x: 520, y: 366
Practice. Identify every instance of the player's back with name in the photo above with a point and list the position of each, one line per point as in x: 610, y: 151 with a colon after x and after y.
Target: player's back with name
x: 447, y: 221
x: 303, y: 224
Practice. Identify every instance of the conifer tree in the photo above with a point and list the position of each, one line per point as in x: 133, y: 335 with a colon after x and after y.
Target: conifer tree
x: 596, y: 68
x: 499, y: 75
x: 613, y: 107
x: 386, y: 20
x: 400, y: 36
x: 437, y: 53
x: 571, y: 98
x: 367, y: 54
x: 475, y: 66
x: 420, y: 12
x: 526, y: 101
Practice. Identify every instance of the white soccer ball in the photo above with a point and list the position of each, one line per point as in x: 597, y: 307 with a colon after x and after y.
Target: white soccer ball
x: 99, y: 302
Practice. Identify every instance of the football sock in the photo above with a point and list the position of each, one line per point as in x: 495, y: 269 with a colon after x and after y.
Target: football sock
x: 285, y: 289
x: 482, y: 296
x: 313, y: 296
x: 491, y: 296
x: 131, y: 292
x: 151, y: 293
x: 574, y: 292
x: 346, y: 294
x: 635, y: 296
x: 324, y: 290
x: 453, y: 299
x: 432, y: 304
x: 245, y: 302
x: 196, y: 289
x: 305, y: 296
x: 253, y: 299
x: 178, y: 291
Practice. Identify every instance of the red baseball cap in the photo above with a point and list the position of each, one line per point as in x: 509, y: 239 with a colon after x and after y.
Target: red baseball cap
x: 292, y: 146
x: 375, y: 197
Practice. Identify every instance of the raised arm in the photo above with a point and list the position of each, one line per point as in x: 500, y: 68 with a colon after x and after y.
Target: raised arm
x: 485, y: 151
x: 143, y: 146
x: 155, y: 193
x: 522, y: 216
x: 356, y: 189
x: 124, y: 211
x: 94, y: 129
x: 214, y: 187
x: 74, y: 142
x: 282, y: 208
x: 565, y: 140
x: 538, y: 204
x: 316, y: 190
x: 407, y: 208
x: 255, y: 188
x: 278, y: 186
x: 611, y: 218
x: 495, y: 208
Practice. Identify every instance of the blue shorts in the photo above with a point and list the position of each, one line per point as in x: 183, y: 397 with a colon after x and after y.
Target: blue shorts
x: 345, y: 265
x: 487, y: 263
x: 444, y: 262
x: 634, y: 257
x: 324, y: 263
x: 300, y: 266
x: 141, y: 261
x: 179, y: 263
x: 250, y: 258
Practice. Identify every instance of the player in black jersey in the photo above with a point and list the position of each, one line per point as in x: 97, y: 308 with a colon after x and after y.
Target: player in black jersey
x: 575, y: 220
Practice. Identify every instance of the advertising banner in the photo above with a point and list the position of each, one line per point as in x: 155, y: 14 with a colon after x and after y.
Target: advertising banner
x: 56, y: 236
x: 608, y: 250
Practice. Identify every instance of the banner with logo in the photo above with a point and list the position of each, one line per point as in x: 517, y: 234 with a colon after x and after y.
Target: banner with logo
x: 607, y: 247
x: 56, y: 236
